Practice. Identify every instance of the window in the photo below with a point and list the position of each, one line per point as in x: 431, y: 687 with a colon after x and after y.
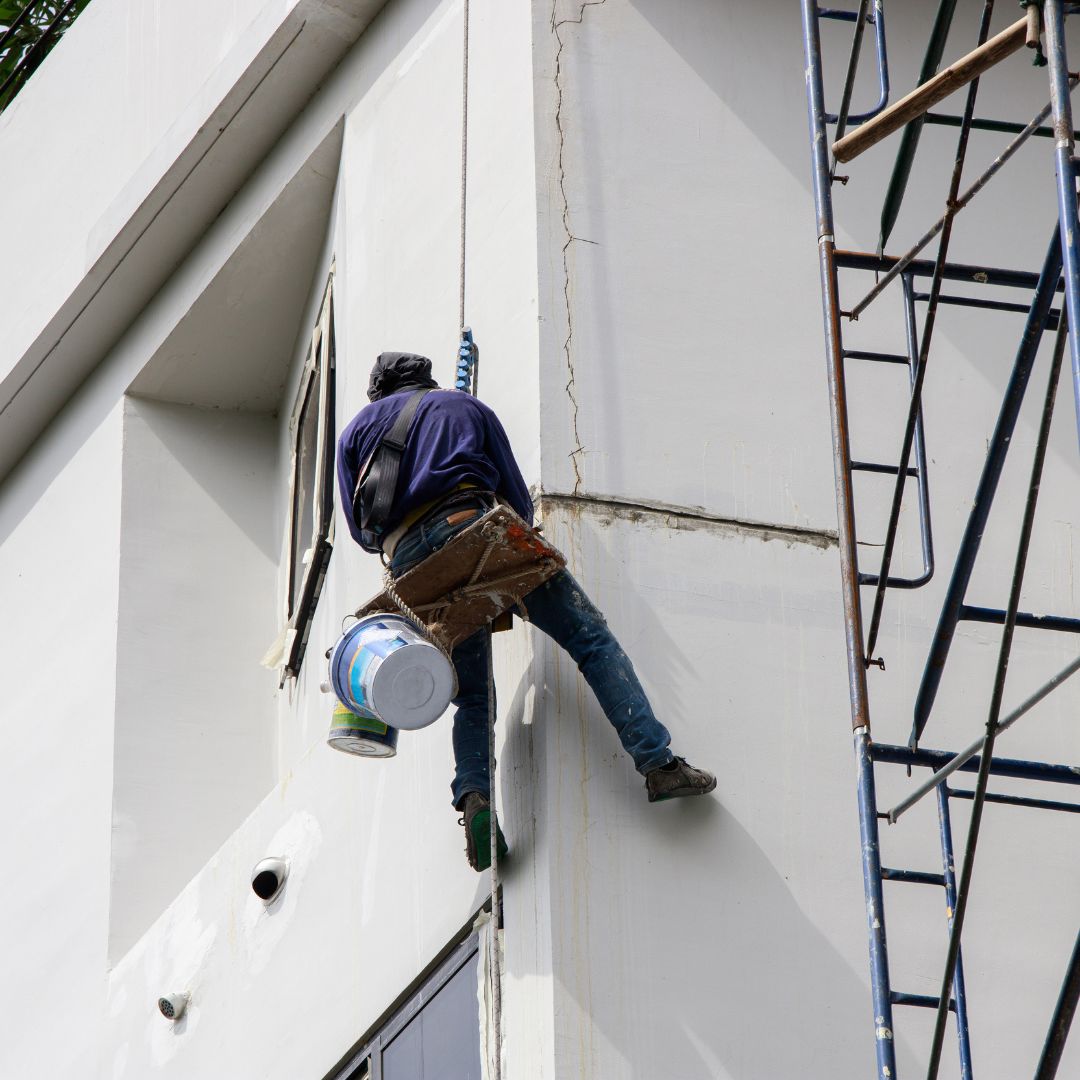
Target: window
x: 311, y: 491
x: 434, y: 1035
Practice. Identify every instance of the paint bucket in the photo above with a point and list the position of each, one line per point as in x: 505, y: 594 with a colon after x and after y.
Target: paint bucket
x: 383, y: 666
x: 367, y: 736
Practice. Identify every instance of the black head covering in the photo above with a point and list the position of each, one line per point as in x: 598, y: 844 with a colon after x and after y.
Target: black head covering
x: 396, y: 371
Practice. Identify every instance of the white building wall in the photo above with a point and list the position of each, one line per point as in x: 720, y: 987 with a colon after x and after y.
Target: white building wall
x: 378, y: 883
x: 194, y: 749
x: 643, y: 286
x: 59, y: 560
x: 683, y: 401
x: 167, y: 56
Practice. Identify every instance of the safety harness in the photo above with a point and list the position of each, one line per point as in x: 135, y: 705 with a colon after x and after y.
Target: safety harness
x: 377, y: 482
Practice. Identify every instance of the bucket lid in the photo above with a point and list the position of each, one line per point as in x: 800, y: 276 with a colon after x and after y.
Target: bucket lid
x: 362, y: 745
x: 412, y: 686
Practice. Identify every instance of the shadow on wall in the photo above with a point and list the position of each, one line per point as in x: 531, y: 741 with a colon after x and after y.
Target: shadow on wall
x: 240, y: 481
x: 679, y: 947
x: 756, y: 993
x: 777, y: 1000
x: 105, y: 386
x: 772, y: 107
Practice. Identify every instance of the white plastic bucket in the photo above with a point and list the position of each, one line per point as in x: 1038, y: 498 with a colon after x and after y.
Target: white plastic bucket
x: 384, y: 666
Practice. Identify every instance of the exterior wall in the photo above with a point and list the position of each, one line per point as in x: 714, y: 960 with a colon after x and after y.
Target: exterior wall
x: 60, y: 530
x: 194, y: 751
x: 161, y: 140
x: 642, y: 282
x: 377, y: 881
x: 146, y: 93
x: 683, y: 400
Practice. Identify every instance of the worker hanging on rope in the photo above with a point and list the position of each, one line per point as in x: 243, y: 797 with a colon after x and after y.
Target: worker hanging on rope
x: 452, y: 463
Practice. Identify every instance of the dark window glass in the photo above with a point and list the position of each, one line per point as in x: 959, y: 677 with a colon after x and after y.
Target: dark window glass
x: 443, y: 1041
x: 434, y: 1035
x: 307, y: 459
x: 311, y: 508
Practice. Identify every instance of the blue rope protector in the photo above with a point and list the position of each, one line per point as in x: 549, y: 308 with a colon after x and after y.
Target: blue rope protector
x: 468, y: 355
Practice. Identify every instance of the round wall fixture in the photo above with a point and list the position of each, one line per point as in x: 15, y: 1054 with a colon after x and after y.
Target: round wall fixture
x: 268, y: 877
x: 172, y: 1007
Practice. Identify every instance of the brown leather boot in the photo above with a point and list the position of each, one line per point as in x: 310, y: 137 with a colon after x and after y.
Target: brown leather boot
x: 676, y: 780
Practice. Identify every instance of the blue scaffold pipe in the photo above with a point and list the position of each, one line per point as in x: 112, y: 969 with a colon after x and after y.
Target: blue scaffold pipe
x: 1064, y: 148
x: 994, y: 465
x: 880, y: 990
x: 877, y: 18
x: 959, y: 990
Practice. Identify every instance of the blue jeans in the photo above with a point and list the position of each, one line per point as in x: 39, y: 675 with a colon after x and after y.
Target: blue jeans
x: 561, y: 610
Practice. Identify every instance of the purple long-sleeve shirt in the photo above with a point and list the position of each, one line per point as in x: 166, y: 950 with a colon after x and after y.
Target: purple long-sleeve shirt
x: 453, y: 439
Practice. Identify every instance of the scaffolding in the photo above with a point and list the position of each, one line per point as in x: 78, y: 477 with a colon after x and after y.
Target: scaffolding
x: 925, y: 281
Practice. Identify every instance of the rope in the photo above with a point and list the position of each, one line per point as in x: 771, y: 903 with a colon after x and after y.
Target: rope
x: 481, y: 586
x: 391, y: 590
x: 495, y: 958
x: 481, y: 561
x: 464, y: 157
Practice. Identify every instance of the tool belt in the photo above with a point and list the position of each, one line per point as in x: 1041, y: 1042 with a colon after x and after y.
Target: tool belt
x: 482, y: 571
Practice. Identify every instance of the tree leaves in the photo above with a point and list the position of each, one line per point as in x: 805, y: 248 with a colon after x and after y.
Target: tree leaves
x: 28, y: 30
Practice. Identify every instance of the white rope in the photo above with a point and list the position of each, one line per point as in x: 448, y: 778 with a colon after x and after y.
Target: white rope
x: 495, y: 955
x: 464, y: 158
x: 391, y: 590
x: 480, y: 587
x: 482, y: 561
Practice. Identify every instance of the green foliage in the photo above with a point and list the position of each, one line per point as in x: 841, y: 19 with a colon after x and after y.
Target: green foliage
x: 38, y: 26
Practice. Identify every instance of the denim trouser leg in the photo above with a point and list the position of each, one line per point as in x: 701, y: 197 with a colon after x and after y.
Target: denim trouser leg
x: 471, y: 718
x: 561, y: 610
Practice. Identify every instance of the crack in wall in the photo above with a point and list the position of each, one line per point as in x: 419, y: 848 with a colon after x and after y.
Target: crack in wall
x: 571, y: 384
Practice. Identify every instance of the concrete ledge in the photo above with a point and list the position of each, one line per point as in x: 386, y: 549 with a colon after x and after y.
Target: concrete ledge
x: 668, y: 515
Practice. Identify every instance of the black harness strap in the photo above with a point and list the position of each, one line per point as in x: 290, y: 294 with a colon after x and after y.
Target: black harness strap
x: 377, y: 483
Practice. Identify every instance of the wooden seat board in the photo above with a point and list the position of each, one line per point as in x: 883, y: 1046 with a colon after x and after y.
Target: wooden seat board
x: 438, y: 589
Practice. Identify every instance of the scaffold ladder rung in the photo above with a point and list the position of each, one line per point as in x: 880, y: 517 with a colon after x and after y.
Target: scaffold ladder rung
x: 919, y: 1001
x: 915, y: 877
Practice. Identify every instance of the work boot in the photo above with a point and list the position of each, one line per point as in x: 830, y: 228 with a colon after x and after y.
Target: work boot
x: 476, y: 817
x: 676, y: 780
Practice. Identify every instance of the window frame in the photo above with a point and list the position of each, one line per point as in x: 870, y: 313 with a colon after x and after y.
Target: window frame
x: 365, y: 1063
x: 308, y: 568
